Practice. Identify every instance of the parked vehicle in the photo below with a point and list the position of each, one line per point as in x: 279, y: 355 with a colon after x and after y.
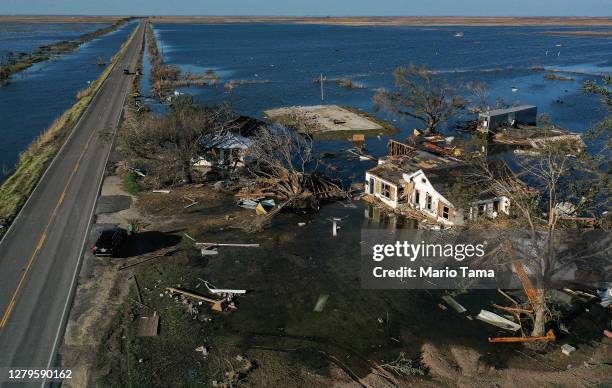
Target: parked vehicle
x: 108, y: 242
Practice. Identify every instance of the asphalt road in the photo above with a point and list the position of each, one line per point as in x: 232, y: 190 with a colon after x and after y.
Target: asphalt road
x: 41, y: 254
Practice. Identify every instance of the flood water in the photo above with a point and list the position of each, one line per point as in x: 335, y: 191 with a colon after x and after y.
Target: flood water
x: 288, y: 57
x: 34, y: 98
x: 25, y: 37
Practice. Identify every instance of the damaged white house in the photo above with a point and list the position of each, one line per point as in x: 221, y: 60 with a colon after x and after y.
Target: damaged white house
x: 430, y: 185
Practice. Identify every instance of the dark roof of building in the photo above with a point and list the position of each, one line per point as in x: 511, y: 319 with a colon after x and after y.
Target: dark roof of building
x: 245, y: 125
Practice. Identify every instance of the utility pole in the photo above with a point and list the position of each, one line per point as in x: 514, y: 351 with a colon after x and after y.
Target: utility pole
x: 321, y: 82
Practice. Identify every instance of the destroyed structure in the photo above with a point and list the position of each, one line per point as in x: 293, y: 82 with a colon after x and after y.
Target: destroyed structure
x: 493, y: 120
x: 518, y: 126
x: 229, y: 149
x: 413, y: 181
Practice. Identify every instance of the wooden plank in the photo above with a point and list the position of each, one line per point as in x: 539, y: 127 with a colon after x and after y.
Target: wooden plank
x: 150, y: 256
x: 216, y: 305
x: 148, y: 326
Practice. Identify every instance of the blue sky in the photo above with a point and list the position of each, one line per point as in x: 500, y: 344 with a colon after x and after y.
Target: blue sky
x: 313, y: 7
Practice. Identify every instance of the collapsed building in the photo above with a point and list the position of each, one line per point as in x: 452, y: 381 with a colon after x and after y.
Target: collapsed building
x: 229, y: 148
x: 493, y: 120
x: 517, y: 126
x: 413, y: 181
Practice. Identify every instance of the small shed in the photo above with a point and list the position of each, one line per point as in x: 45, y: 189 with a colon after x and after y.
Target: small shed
x: 492, y: 120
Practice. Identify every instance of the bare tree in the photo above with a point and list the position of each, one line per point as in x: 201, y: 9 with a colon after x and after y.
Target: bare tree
x: 283, y: 165
x: 170, y: 144
x: 563, y: 187
x: 420, y: 95
x: 479, y: 100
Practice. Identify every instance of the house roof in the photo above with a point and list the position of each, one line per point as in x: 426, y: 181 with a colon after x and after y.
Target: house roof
x: 245, y: 125
x: 419, y: 160
x: 228, y: 141
x: 388, y: 172
x: 499, y: 112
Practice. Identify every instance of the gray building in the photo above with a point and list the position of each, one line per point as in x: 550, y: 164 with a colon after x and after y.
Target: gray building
x: 499, y: 118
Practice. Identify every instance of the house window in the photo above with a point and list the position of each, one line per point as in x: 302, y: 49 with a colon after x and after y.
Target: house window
x: 428, y: 201
x: 385, y: 190
x: 423, y: 180
x: 482, y: 209
x: 417, y: 197
x: 496, y: 206
x: 445, y: 212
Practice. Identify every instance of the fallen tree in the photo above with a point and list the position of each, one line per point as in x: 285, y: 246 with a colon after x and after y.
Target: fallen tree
x: 282, y: 166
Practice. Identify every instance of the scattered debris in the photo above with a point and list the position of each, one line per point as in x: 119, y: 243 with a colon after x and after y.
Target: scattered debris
x: 405, y: 366
x: 567, y: 349
x: 259, y: 205
x: 215, y: 305
x: 148, y: 326
x: 454, y: 304
x: 164, y: 252
x: 605, y: 296
x: 222, y: 291
x: 212, y: 248
x: 550, y: 336
x: 162, y: 191
x: 202, y: 349
x: 361, y: 155
x: 259, y: 209
x: 321, y: 302
x: 191, y: 202
x: 248, y: 204
x: 496, y: 320
x: 579, y: 293
x: 442, y: 307
x: 335, y: 227
x: 358, y: 140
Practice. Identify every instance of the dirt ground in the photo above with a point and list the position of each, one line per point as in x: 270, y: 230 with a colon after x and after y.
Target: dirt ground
x: 103, y: 288
x: 328, y: 118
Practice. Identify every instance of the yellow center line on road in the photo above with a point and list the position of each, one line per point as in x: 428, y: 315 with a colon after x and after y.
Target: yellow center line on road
x: 43, y: 237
